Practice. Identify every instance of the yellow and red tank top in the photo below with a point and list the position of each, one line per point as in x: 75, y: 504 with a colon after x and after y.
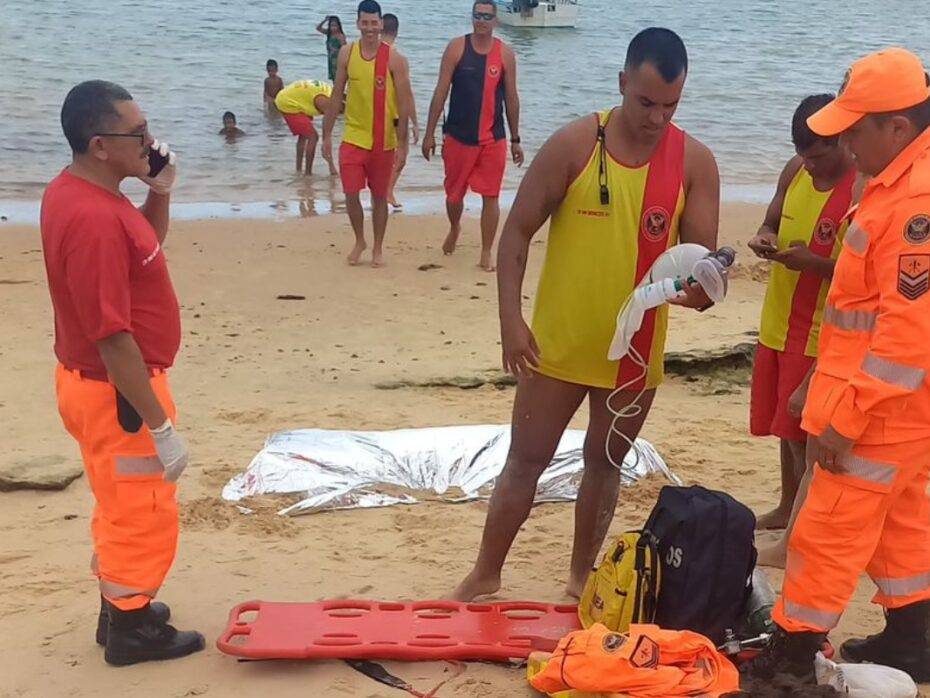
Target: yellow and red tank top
x: 597, y: 254
x: 794, y: 301
x: 371, y: 104
x: 299, y: 97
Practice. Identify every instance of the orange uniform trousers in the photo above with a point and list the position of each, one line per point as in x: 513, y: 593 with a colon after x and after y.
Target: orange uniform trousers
x: 135, y: 519
x: 873, y: 517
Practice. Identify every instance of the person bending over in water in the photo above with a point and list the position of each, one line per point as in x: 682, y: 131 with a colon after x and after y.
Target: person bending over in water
x: 298, y: 103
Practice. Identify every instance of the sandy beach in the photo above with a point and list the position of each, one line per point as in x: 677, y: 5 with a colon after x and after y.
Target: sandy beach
x: 252, y: 365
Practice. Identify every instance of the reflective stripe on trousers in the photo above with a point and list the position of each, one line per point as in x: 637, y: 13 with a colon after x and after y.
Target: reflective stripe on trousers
x: 822, y: 619
x: 903, y: 587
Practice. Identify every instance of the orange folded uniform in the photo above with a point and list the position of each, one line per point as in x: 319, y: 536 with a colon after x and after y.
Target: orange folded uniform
x: 647, y: 661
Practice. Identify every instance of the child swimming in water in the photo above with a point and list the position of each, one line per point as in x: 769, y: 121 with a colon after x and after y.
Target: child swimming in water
x: 230, y: 130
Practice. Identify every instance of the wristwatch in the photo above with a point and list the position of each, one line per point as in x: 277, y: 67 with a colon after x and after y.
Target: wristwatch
x: 515, y: 141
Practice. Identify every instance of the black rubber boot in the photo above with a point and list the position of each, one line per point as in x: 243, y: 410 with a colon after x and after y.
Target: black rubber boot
x: 904, y: 643
x: 160, y: 614
x: 790, y: 654
x: 133, y: 637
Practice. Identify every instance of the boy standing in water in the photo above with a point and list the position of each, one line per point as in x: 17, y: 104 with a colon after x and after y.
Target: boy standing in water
x: 802, y: 233
x: 273, y: 84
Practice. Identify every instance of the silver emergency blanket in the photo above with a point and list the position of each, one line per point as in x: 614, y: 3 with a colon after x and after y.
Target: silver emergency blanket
x: 363, y: 469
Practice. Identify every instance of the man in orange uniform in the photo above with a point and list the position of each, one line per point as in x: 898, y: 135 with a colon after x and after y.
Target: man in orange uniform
x: 868, y: 405
x: 117, y: 330
x: 377, y: 112
x: 621, y: 187
x: 802, y: 232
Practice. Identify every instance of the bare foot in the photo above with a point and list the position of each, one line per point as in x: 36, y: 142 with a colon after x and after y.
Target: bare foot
x: 395, y: 203
x: 775, y: 554
x: 474, y: 586
x: 377, y: 260
x: 333, y: 172
x: 448, y: 247
x: 356, y: 253
x: 486, y: 262
x: 575, y: 587
x: 775, y: 519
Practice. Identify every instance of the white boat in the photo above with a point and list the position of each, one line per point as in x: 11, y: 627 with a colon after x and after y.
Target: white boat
x: 538, y: 14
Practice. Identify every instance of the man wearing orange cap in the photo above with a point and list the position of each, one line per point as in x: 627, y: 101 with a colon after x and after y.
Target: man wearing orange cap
x: 868, y: 405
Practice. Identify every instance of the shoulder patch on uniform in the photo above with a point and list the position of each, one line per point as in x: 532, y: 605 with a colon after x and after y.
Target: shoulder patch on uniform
x: 917, y: 229
x: 613, y: 642
x: 646, y: 653
x: 913, y: 275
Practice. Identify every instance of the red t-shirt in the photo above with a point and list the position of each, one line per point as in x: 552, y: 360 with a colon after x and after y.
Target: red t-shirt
x: 106, y: 274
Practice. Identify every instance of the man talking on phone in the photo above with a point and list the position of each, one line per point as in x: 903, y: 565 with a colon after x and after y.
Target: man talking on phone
x: 117, y: 331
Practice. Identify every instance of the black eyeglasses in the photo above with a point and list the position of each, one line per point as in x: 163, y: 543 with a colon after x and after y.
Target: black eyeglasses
x: 140, y: 136
x: 484, y: 16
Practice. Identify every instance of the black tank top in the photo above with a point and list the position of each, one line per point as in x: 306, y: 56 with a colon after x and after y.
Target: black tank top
x: 476, y: 106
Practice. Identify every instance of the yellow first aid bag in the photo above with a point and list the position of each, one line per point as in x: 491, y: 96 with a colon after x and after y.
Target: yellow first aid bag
x: 625, y: 587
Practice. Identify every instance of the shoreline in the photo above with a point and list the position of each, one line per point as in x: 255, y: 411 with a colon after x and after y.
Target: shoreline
x: 417, y: 203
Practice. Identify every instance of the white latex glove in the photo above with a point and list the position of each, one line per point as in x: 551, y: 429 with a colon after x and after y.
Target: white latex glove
x: 172, y: 450
x: 163, y: 183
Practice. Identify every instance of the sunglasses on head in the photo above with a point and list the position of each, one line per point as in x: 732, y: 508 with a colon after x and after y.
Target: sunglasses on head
x: 484, y: 16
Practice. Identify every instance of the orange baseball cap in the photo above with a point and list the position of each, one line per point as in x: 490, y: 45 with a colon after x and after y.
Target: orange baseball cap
x: 888, y: 80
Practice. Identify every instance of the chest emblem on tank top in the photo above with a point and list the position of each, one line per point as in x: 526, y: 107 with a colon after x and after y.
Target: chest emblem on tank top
x: 655, y: 223
x: 825, y: 232
x: 494, y: 70
x: 379, y: 82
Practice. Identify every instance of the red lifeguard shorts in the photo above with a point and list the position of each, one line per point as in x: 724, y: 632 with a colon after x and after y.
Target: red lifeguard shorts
x: 359, y: 167
x: 479, y: 167
x: 300, y: 124
x: 775, y: 376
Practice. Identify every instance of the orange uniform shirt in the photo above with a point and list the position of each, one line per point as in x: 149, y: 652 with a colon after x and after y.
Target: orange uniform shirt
x: 871, y: 378
x: 646, y: 661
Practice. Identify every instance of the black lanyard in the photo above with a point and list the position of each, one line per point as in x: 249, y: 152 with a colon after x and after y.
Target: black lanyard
x: 602, y: 160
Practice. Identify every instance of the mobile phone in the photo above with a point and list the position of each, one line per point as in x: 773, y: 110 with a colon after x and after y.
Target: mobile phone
x: 157, y: 162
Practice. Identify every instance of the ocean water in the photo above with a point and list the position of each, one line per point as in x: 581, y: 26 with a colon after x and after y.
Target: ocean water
x: 186, y: 63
